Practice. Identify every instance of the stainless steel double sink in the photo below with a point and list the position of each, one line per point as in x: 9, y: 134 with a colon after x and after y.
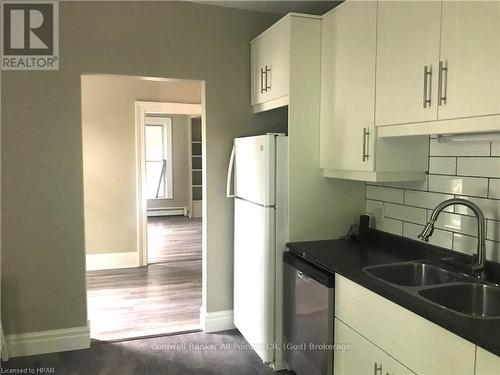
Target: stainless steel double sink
x: 450, y: 290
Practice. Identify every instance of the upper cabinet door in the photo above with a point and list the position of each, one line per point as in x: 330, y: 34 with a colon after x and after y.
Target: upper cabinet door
x: 270, y: 54
x: 408, y: 39
x: 348, y: 87
x: 277, y: 60
x: 258, y: 63
x: 470, y: 56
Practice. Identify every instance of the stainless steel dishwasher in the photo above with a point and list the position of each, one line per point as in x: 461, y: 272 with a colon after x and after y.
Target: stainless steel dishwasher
x: 308, y: 316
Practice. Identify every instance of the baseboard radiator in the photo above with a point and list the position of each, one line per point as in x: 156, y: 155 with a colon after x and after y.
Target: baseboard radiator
x: 168, y: 211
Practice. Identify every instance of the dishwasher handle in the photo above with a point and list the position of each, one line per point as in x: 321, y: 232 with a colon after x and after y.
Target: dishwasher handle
x: 303, y: 276
x: 309, y: 270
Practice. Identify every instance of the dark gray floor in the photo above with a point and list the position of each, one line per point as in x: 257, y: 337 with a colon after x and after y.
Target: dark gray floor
x: 196, y: 353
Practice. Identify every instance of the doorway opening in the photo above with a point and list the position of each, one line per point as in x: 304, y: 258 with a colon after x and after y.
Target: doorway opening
x: 174, y: 234
x: 143, y: 228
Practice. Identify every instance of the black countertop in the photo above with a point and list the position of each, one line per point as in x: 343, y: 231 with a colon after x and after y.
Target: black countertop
x: 348, y: 258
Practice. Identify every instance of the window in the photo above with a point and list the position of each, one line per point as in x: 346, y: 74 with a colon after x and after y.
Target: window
x: 158, y: 157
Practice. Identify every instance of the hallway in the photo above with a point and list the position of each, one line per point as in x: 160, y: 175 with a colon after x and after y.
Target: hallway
x: 162, y: 298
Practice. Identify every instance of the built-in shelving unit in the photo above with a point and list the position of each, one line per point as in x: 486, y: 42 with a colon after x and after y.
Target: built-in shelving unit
x: 196, y: 167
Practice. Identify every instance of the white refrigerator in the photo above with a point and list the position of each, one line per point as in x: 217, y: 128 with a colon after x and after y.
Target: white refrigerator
x: 259, y: 169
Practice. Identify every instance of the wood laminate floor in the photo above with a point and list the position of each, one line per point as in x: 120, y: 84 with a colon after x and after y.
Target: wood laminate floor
x: 173, y: 239
x: 224, y: 353
x: 159, y: 299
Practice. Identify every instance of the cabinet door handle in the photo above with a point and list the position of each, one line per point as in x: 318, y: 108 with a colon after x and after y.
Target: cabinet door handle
x: 262, y: 72
x: 427, y: 86
x: 366, y: 138
x: 443, y: 82
x: 268, y: 82
x: 377, y: 368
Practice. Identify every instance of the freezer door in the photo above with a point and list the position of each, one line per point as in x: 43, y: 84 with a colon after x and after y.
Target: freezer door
x: 255, y: 169
x: 254, y: 265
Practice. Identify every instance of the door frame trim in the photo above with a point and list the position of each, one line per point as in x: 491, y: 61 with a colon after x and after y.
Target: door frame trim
x: 142, y: 109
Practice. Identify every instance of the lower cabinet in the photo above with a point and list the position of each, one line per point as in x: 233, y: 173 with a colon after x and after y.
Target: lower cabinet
x: 487, y: 363
x: 422, y: 346
x: 361, y: 356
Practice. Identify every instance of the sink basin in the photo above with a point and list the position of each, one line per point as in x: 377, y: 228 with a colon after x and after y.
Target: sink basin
x: 413, y: 274
x: 474, y: 300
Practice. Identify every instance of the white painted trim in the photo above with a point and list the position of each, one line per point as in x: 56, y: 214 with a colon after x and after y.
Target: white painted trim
x: 112, y: 260
x: 197, y: 209
x: 53, y: 341
x: 217, y: 321
x: 142, y: 109
x: 163, y: 108
x: 479, y: 124
x: 167, y: 211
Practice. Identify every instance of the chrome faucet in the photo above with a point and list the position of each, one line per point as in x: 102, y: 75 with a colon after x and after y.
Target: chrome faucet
x: 479, y: 258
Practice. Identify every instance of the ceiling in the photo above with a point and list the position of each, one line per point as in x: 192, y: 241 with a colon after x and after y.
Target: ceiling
x: 277, y: 7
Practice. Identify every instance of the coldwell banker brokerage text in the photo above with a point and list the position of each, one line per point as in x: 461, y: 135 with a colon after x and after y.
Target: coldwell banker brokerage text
x: 30, y: 39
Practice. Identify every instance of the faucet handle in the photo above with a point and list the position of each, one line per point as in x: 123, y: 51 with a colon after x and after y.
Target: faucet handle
x: 476, y: 269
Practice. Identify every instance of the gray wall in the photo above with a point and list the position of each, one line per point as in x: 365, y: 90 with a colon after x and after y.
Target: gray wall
x: 180, y: 171
x: 109, y: 154
x: 43, y: 258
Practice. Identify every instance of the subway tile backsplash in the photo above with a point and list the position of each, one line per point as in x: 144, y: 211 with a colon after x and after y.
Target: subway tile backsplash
x: 469, y: 170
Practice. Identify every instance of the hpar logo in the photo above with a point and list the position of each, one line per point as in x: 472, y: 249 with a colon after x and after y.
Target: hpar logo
x: 30, y: 35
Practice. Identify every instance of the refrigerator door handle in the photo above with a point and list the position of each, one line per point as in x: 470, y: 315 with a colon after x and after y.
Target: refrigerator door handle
x: 230, y: 170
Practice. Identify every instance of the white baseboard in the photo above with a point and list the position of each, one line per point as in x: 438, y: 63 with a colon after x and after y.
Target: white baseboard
x: 167, y: 211
x: 217, y: 321
x: 53, y: 341
x: 112, y: 261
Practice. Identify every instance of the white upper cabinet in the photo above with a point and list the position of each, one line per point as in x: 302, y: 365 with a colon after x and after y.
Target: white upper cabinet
x: 470, y: 59
x: 487, y: 363
x: 270, y: 64
x: 349, y: 145
x: 348, y: 64
x: 438, y: 67
x: 407, y: 61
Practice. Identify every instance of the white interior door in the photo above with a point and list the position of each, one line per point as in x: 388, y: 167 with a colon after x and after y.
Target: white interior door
x: 254, y: 275
x: 470, y: 50
x: 255, y: 169
x: 408, y: 36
